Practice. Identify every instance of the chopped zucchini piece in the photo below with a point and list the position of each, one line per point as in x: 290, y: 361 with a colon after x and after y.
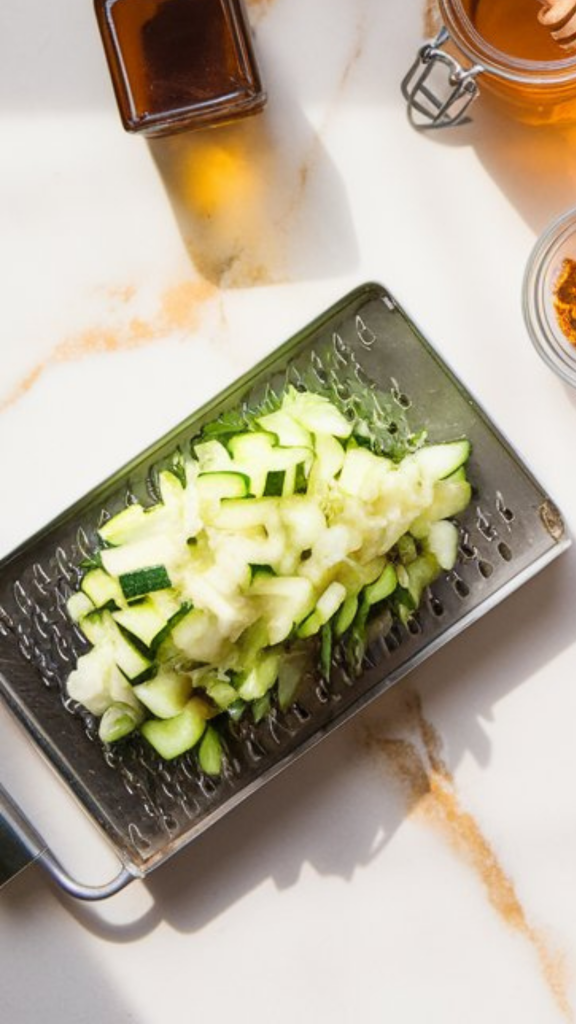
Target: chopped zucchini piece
x: 144, y: 581
x: 441, y: 460
x: 285, y: 601
x: 172, y: 737
x: 316, y: 413
x: 210, y: 754
x: 361, y: 472
x: 102, y: 631
x: 198, y: 637
x: 122, y: 527
x: 171, y: 489
x: 246, y: 513
x: 97, y: 682
x: 78, y: 606
x: 167, y: 694
x: 382, y: 587
x: 442, y: 542
x: 101, y: 588
x: 261, y: 707
x: 326, y: 650
x: 291, y: 671
x: 223, y: 694
x: 288, y: 431
x: 421, y: 573
x: 213, y: 486
x: 141, y: 554
x: 329, y: 459
x: 451, y: 496
x: 407, y: 550
x: 327, y: 606
x: 346, y: 614
x: 212, y: 456
x: 118, y: 721
x: 147, y: 620
x: 261, y: 676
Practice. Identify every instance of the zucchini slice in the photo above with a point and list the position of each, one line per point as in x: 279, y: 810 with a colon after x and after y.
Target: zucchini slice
x: 442, y: 542
x: 121, y: 527
x: 118, y: 721
x: 166, y: 695
x: 140, y: 554
x: 288, y: 431
x: 78, y: 606
x: 210, y: 752
x: 261, y: 677
x: 327, y: 606
x: 148, y: 620
x: 439, y: 461
x: 144, y: 581
x: 102, y: 589
x: 316, y: 413
x: 171, y: 737
x: 450, y: 497
x: 215, y: 485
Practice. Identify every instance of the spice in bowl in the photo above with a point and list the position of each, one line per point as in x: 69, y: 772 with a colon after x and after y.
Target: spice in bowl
x: 549, y: 296
x: 565, y: 299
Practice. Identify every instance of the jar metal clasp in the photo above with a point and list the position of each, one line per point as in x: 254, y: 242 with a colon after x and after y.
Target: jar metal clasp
x: 444, y: 103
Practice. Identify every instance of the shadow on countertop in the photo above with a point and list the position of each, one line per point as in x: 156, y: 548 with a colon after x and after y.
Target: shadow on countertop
x: 256, y: 203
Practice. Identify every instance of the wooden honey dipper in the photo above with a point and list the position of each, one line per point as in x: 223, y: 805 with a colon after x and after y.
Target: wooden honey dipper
x: 560, y: 17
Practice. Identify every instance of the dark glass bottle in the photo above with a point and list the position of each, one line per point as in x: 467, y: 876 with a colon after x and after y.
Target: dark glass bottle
x: 179, y: 64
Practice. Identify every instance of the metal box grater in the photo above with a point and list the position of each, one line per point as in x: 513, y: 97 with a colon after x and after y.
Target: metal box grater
x: 149, y: 809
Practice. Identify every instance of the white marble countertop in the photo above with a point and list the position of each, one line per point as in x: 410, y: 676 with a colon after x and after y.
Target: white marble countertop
x: 139, y: 279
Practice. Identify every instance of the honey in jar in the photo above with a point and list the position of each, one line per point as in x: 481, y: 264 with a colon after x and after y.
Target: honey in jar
x: 513, y: 27
x: 179, y: 64
x: 496, y: 48
x: 523, y: 67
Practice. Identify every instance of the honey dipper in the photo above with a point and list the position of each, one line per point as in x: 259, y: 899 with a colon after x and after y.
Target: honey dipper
x: 560, y: 17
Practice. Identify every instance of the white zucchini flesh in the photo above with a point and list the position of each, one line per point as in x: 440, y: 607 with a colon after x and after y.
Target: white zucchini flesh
x: 442, y: 541
x: 166, y: 694
x: 130, y: 557
x: 287, y: 430
x: 316, y: 413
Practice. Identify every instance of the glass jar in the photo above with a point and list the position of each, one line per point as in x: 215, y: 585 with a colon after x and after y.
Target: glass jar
x: 179, y: 64
x: 553, y: 248
x: 538, y: 91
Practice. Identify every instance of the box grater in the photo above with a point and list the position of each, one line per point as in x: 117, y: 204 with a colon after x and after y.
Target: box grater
x: 364, y: 345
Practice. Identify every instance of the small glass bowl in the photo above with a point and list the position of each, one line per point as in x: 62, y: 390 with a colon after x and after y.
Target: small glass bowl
x: 555, y: 245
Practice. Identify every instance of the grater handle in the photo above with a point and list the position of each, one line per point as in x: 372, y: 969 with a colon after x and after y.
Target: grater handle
x: 21, y: 845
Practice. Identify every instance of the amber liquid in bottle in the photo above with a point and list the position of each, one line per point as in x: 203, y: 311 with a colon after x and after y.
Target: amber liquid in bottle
x: 178, y: 64
x: 512, y: 26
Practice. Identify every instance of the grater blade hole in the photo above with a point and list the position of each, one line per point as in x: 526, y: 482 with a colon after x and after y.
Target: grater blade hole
x: 485, y: 569
x: 504, y: 551
x: 461, y: 588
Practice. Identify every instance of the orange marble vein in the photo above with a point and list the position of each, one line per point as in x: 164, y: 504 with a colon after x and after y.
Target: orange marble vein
x: 315, y: 147
x: 417, y: 765
x: 179, y: 309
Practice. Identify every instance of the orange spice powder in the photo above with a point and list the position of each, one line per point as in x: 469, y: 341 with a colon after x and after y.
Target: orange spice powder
x: 180, y: 309
x: 565, y: 300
